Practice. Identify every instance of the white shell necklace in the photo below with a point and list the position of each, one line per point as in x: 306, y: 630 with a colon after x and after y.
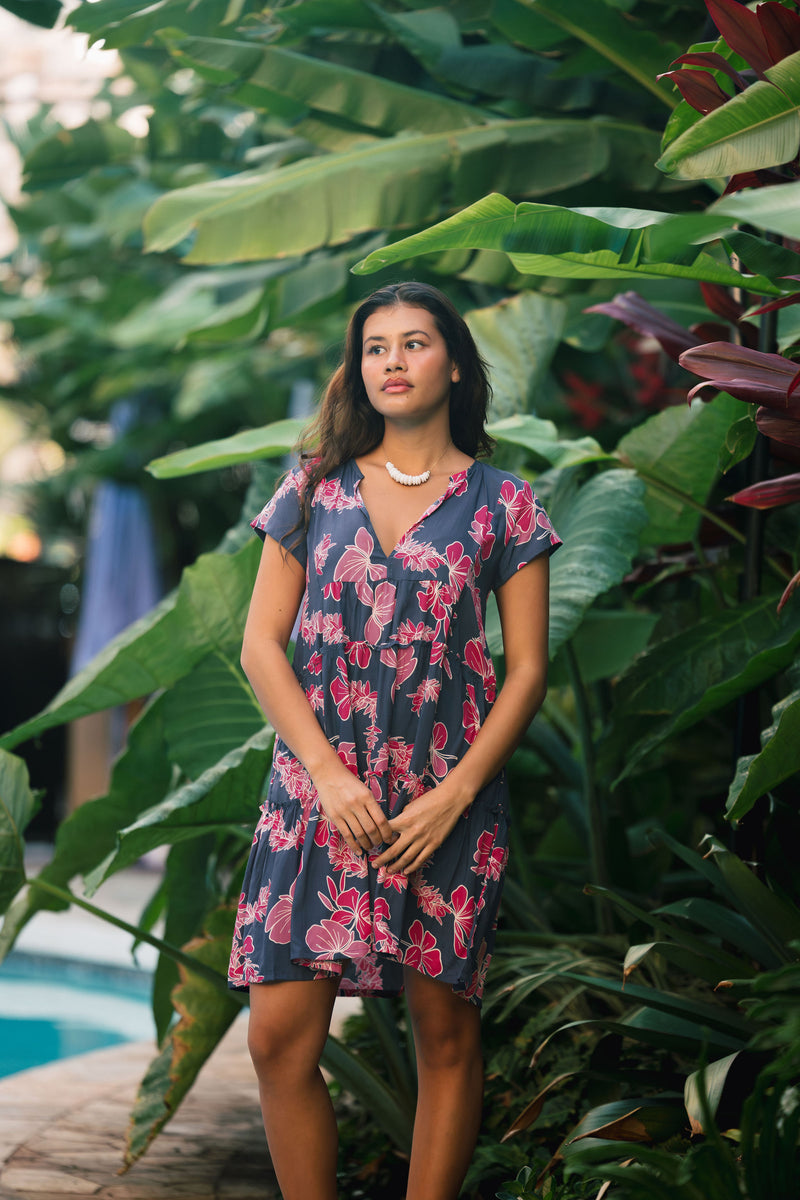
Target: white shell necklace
x: 414, y: 480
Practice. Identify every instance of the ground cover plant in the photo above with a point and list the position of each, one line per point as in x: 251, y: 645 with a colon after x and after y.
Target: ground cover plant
x: 296, y: 156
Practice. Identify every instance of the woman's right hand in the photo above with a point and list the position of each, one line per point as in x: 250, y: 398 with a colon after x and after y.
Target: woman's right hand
x: 352, y: 809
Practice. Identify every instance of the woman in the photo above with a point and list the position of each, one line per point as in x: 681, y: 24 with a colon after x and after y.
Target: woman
x: 378, y: 860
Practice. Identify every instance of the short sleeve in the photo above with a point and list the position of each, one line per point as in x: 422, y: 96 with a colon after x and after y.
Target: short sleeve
x: 283, y: 516
x: 522, y: 530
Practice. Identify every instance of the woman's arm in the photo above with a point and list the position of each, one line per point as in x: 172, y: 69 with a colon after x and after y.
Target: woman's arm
x: 346, y: 801
x: 424, y: 824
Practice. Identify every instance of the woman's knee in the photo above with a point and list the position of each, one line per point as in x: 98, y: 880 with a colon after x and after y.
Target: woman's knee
x: 286, y: 1033
x: 446, y: 1027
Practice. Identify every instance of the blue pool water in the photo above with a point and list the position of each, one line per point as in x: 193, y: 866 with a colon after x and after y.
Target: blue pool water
x: 52, y: 1008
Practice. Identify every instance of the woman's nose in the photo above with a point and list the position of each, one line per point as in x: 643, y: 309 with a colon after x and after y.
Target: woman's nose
x: 394, y: 359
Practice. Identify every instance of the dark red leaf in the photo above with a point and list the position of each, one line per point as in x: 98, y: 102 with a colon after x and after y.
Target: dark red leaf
x: 782, y: 428
x: 784, y: 302
x: 787, y: 591
x: 747, y: 374
x: 781, y: 29
x: 710, y: 331
x: 793, y: 386
x: 721, y: 302
x: 712, y: 62
x: 629, y: 308
x: 741, y: 30
x: 770, y: 493
x: 698, y: 88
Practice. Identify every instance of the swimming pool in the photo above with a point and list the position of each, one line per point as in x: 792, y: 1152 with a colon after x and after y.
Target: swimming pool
x: 52, y: 1008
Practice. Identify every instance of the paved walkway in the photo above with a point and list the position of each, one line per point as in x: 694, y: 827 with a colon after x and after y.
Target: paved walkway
x: 62, y: 1131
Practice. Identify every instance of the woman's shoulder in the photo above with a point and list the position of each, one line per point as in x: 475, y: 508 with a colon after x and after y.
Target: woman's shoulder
x: 498, y: 481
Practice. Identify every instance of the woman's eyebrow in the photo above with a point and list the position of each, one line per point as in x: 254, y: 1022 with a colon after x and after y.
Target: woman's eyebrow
x: 373, y: 337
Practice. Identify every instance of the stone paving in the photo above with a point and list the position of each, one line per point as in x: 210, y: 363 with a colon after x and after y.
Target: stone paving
x: 62, y: 1131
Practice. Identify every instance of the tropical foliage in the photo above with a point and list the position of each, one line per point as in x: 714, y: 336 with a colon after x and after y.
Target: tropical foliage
x: 510, y: 151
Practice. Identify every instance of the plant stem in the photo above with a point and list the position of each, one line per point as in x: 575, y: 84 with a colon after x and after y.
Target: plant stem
x: 591, y: 799
x: 185, y: 960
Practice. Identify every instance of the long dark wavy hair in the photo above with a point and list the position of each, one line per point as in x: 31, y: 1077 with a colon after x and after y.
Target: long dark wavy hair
x: 347, y: 425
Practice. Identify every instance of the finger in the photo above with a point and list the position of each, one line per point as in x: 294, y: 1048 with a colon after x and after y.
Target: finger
x: 387, y: 856
x: 383, y: 830
x: 351, y: 838
x: 414, y: 854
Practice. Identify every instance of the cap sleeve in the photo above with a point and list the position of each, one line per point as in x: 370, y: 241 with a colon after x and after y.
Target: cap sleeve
x: 284, y: 515
x: 522, y: 530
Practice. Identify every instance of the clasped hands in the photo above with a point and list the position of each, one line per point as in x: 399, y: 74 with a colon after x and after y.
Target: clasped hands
x: 410, y: 838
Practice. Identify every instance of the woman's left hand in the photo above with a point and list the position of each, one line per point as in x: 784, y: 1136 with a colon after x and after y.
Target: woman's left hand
x: 420, y: 829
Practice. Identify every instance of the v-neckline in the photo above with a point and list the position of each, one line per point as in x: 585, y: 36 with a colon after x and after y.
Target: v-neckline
x: 415, y: 524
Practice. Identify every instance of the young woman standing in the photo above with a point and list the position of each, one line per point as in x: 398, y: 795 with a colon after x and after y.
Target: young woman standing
x: 378, y: 860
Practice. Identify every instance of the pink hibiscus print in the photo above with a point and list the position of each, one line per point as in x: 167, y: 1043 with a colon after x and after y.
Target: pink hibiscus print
x: 464, y: 918
x: 422, y: 954
x: 279, y: 921
x: 475, y: 657
x: 438, y: 759
x: 429, y: 898
x: 358, y: 654
x: 417, y: 556
x: 434, y: 597
x: 331, y: 938
x: 321, y: 552
x: 471, y: 716
x: 332, y: 591
x: 458, y: 565
x: 382, y: 612
x: 520, y: 506
x: 489, y: 858
x: 403, y: 660
x: 356, y: 566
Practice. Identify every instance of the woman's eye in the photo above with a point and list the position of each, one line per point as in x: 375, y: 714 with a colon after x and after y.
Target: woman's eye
x: 374, y: 349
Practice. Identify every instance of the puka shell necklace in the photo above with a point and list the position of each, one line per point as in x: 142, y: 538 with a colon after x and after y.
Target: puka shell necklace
x: 414, y: 480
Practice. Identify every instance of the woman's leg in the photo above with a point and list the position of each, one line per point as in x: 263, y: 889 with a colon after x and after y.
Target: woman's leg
x: 447, y: 1037
x: 288, y: 1026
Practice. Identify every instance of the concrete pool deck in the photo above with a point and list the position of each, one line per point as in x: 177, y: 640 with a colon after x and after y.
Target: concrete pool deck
x: 62, y: 1130
x: 63, y: 1125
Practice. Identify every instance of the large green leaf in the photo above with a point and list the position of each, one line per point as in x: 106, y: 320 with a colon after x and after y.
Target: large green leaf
x: 730, y: 926
x: 544, y: 239
x: 626, y: 43
x: 757, y: 129
x: 401, y: 181
x: 605, y: 643
x: 225, y: 796
x: 718, y: 1017
x: 677, y: 452
x: 205, y: 612
x: 356, y: 1076
x: 542, y: 439
x: 205, y: 1015
x: 774, y: 209
x: 120, y: 23
x: 209, y: 712
x: 778, y: 760
x: 777, y: 920
x: 600, y: 528
x: 685, y: 677
x: 39, y: 12
x: 518, y: 338
x: 259, y: 72
x: 17, y: 806
x: 140, y: 774
x: 269, y: 441
x: 70, y: 153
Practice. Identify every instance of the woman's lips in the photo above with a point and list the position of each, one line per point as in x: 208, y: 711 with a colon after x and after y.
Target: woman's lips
x: 397, y: 385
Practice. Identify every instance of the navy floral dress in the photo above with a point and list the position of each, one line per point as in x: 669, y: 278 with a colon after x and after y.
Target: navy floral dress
x: 392, y: 656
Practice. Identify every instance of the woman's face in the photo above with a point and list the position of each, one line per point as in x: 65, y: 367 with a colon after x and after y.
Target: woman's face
x: 405, y: 364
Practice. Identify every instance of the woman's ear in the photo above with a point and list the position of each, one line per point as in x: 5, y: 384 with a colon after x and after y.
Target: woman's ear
x: 455, y: 374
